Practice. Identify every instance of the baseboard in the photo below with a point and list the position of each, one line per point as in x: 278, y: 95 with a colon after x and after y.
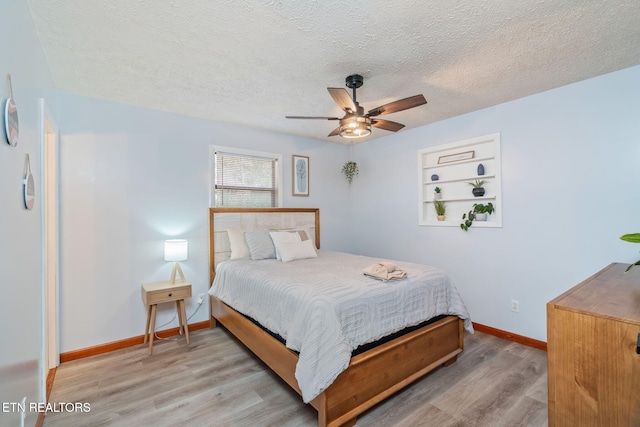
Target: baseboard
x: 127, y: 342
x: 50, y: 377
x: 540, y: 345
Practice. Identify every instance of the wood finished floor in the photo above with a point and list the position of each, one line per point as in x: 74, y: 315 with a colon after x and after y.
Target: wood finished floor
x: 215, y: 381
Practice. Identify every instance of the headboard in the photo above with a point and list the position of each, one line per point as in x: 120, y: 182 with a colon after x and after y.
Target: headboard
x: 255, y: 219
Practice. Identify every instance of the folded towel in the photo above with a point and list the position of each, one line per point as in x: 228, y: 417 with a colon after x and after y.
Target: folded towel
x: 385, y: 271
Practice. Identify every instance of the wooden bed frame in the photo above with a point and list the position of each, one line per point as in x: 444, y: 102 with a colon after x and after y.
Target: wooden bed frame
x: 372, y: 375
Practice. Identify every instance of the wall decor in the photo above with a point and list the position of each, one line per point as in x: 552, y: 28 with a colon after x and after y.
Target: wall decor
x: 11, y: 128
x: 300, y: 178
x: 476, y: 162
x: 28, y: 185
x: 450, y: 158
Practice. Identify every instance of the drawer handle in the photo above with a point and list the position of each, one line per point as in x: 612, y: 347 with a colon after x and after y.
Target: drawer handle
x: 170, y: 294
x: 638, y: 345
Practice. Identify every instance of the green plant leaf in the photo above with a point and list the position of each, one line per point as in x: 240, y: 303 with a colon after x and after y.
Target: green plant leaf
x: 350, y: 170
x: 440, y: 207
x: 632, y: 265
x: 633, y: 237
x: 478, y: 183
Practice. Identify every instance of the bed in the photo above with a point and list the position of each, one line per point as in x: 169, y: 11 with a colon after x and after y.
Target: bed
x: 338, y: 388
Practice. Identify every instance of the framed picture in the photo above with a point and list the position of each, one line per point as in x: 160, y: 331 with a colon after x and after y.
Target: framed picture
x: 450, y: 158
x: 300, y: 179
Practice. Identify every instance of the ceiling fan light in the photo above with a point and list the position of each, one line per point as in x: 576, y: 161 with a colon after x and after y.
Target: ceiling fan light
x: 355, y: 127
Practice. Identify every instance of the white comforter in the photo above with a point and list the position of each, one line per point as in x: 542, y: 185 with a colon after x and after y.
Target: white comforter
x: 325, y: 307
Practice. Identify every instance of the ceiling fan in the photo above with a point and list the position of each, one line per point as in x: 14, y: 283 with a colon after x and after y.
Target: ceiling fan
x: 355, y: 123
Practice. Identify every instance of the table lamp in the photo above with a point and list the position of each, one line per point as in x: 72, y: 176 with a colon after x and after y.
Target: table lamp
x: 176, y: 250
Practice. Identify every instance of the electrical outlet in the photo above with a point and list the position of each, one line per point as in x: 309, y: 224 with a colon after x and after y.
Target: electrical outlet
x: 200, y: 298
x: 515, y: 306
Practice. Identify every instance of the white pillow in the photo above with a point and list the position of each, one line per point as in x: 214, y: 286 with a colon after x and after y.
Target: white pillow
x: 297, y: 250
x: 304, y: 232
x: 280, y: 237
x: 239, y: 248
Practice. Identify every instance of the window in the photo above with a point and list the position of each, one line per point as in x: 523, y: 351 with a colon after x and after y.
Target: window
x: 245, y: 178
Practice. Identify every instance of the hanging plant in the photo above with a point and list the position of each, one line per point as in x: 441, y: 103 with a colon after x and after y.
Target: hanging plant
x: 350, y: 170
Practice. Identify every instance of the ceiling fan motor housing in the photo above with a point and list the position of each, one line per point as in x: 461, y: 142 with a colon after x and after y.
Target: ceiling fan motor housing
x: 354, y: 81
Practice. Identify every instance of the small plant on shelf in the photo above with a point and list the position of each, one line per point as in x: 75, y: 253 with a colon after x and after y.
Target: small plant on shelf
x: 440, y: 208
x: 478, y: 212
x: 478, y: 187
x: 438, y: 194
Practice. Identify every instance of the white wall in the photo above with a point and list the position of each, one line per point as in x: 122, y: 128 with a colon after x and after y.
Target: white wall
x: 20, y: 229
x: 133, y: 177
x: 570, y: 184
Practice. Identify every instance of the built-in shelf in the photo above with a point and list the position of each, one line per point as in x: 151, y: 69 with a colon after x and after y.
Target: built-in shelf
x: 456, y: 223
x: 459, y: 162
x: 440, y: 181
x: 464, y: 199
x: 454, y: 178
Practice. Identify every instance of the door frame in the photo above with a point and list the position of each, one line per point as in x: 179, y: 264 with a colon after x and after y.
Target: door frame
x: 49, y: 151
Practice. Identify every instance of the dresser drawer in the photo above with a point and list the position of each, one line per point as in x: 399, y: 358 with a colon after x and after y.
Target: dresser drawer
x: 165, y: 294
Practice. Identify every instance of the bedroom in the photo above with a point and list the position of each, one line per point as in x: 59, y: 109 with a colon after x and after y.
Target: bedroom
x: 569, y: 175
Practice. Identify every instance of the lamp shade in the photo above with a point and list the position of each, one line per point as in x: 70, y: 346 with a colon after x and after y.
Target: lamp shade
x: 175, y: 250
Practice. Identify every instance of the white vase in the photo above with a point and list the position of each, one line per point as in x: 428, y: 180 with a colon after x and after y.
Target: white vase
x: 481, y: 217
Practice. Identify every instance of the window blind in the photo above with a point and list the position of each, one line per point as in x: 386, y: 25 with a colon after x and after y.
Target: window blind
x: 245, y: 181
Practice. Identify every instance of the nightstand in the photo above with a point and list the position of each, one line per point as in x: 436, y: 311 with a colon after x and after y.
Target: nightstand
x: 159, y: 292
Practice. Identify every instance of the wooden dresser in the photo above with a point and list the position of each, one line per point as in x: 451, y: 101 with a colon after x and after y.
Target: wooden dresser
x: 592, y: 334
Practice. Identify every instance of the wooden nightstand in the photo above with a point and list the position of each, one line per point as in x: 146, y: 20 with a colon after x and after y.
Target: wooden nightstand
x: 159, y: 292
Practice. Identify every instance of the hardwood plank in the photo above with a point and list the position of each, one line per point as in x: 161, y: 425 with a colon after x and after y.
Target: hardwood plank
x: 217, y: 381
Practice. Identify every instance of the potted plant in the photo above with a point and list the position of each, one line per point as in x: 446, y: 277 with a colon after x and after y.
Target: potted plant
x: 440, y: 208
x: 350, y: 170
x: 633, y: 238
x: 479, y: 212
x: 478, y: 187
x: 438, y: 194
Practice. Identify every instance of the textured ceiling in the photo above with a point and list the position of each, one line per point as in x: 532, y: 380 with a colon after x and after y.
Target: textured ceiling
x: 253, y: 62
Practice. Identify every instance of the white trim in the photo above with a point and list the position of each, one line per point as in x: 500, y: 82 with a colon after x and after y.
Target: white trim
x: 49, y: 199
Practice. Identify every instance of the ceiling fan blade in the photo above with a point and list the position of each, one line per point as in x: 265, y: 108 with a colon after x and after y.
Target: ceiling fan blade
x: 400, y: 105
x: 342, y: 98
x: 335, y: 132
x: 312, y: 117
x: 387, y: 125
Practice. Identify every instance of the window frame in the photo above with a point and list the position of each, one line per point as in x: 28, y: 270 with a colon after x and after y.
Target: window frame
x: 249, y: 153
